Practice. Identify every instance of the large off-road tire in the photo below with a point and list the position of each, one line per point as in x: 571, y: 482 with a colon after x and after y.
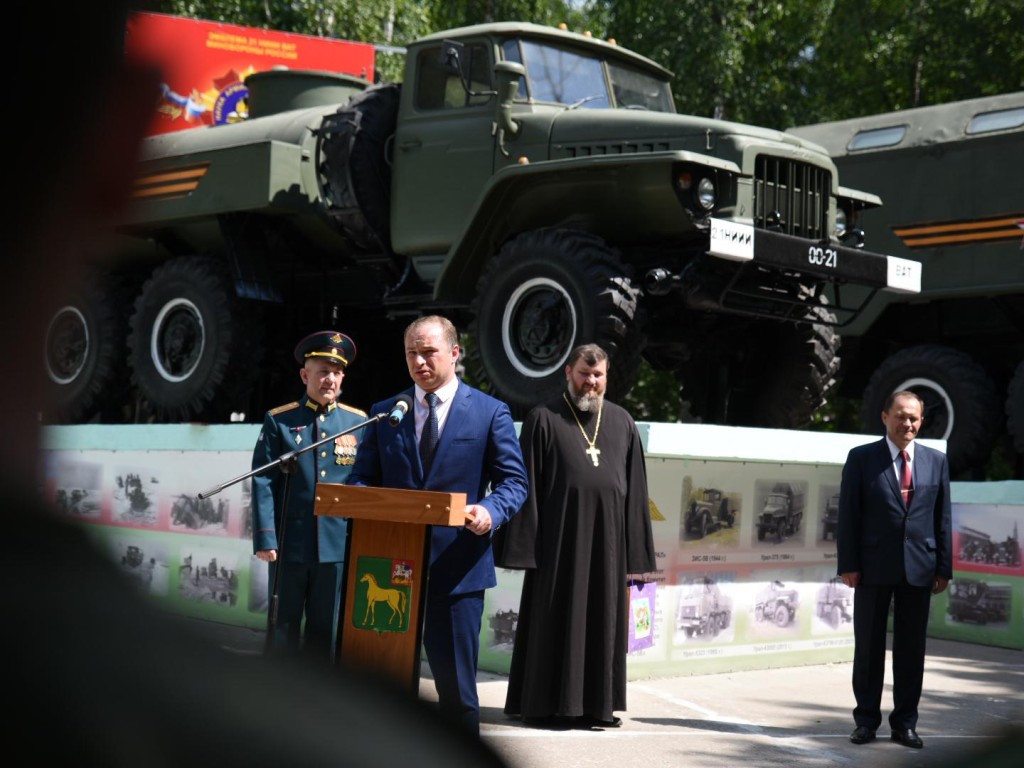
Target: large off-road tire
x: 782, y: 616
x: 191, y: 349
x: 779, y: 378
x: 543, y: 294
x: 353, y: 167
x: 84, y: 353
x: 1015, y: 407
x: 960, y: 403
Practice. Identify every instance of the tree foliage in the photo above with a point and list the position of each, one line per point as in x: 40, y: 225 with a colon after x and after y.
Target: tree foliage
x: 789, y: 63
x: 776, y: 64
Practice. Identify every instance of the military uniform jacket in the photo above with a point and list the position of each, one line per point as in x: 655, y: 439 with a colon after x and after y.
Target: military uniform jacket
x: 304, y: 537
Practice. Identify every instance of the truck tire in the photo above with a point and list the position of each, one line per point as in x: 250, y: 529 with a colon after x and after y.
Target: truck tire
x: 959, y: 398
x: 543, y: 294
x: 782, y: 616
x: 84, y: 352
x: 190, y: 349
x: 783, y: 374
x: 353, y: 168
x: 1015, y: 408
x: 799, y: 372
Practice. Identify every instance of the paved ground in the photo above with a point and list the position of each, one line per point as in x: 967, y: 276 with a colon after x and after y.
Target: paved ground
x: 972, y: 716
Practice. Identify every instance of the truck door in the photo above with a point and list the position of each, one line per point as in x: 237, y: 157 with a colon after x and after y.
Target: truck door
x: 443, y: 152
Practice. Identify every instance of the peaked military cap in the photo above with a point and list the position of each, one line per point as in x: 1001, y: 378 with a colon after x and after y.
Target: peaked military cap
x: 326, y: 345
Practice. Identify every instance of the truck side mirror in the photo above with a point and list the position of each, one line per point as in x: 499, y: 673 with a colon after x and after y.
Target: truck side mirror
x: 506, y: 77
x: 451, y: 56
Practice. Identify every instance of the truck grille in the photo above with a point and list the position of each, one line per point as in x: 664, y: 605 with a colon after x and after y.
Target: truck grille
x: 791, y: 197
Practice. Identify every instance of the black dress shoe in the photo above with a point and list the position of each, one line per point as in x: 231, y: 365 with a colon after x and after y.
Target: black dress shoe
x: 862, y: 735
x: 907, y: 737
x: 586, y: 721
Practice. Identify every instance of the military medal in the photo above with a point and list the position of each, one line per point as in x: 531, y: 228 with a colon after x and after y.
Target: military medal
x: 592, y: 450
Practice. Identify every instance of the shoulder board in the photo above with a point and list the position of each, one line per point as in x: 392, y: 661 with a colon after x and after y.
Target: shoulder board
x: 284, y: 408
x: 350, y: 409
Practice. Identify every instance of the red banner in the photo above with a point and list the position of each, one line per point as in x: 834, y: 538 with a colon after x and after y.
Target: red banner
x: 205, y: 63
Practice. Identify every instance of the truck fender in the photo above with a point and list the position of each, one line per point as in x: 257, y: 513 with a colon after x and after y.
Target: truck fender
x: 514, y: 201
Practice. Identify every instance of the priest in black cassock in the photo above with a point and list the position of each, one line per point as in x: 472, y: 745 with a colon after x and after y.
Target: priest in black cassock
x: 584, y: 530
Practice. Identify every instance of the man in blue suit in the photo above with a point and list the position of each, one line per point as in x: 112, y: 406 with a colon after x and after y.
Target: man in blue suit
x: 306, y: 552
x: 477, y: 453
x: 895, y: 547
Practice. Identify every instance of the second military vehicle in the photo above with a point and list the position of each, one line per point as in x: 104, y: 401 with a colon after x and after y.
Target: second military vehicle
x: 952, y: 178
x: 533, y: 184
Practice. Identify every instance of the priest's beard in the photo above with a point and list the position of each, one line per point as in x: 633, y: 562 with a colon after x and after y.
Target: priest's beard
x: 585, y: 401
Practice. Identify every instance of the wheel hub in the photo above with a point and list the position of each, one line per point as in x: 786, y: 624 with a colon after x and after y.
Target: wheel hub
x: 67, y: 345
x: 538, y: 327
x: 178, y: 340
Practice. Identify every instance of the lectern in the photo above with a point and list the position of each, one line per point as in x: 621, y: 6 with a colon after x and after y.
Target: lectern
x: 386, y: 571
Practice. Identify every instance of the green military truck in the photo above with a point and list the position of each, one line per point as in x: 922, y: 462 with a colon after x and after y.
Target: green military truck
x: 952, y: 179
x: 534, y: 185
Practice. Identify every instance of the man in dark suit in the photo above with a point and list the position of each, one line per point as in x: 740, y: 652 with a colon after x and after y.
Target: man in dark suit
x: 306, y: 552
x: 477, y: 453
x: 895, y: 547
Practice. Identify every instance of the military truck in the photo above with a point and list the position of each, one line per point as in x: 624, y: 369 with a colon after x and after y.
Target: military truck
x: 978, y: 601
x: 776, y: 603
x: 533, y: 184
x: 830, y: 520
x: 952, y: 178
x: 835, y: 603
x: 708, y: 512
x: 782, y: 511
x: 703, y: 610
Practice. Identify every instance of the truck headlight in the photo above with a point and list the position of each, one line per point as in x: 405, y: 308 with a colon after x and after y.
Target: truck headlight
x: 699, y: 193
x: 840, y: 223
x: 706, y: 195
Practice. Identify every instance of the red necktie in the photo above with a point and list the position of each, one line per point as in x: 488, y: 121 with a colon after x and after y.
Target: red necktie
x: 906, y: 484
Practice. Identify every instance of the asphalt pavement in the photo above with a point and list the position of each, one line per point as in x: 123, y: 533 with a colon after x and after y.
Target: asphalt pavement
x: 971, y: 716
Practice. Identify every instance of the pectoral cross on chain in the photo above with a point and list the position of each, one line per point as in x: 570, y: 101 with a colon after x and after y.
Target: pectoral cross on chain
x: 593, y: 451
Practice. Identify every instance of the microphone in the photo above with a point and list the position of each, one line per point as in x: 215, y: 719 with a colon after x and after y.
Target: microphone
x: 399, y: 409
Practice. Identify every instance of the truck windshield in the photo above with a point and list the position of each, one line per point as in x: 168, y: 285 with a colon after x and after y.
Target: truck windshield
x: 563, y: 76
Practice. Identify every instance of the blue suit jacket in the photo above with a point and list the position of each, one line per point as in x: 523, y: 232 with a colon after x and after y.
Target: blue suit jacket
x: 881, y: 538
x: 478, y: 454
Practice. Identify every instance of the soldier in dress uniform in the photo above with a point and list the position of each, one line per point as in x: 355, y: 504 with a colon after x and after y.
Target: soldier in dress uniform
x: 306, y: 552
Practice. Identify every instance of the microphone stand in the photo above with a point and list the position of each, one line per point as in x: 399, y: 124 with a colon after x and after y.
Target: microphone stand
x: 287, y: 463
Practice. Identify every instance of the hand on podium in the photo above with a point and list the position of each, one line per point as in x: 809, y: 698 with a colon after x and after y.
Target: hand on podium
x: 478, y: 519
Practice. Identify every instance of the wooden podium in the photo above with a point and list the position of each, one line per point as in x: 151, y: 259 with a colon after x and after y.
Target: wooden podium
x: 386, y: 571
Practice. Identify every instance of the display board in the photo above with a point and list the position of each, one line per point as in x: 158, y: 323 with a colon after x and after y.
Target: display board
x: 742, y: 519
